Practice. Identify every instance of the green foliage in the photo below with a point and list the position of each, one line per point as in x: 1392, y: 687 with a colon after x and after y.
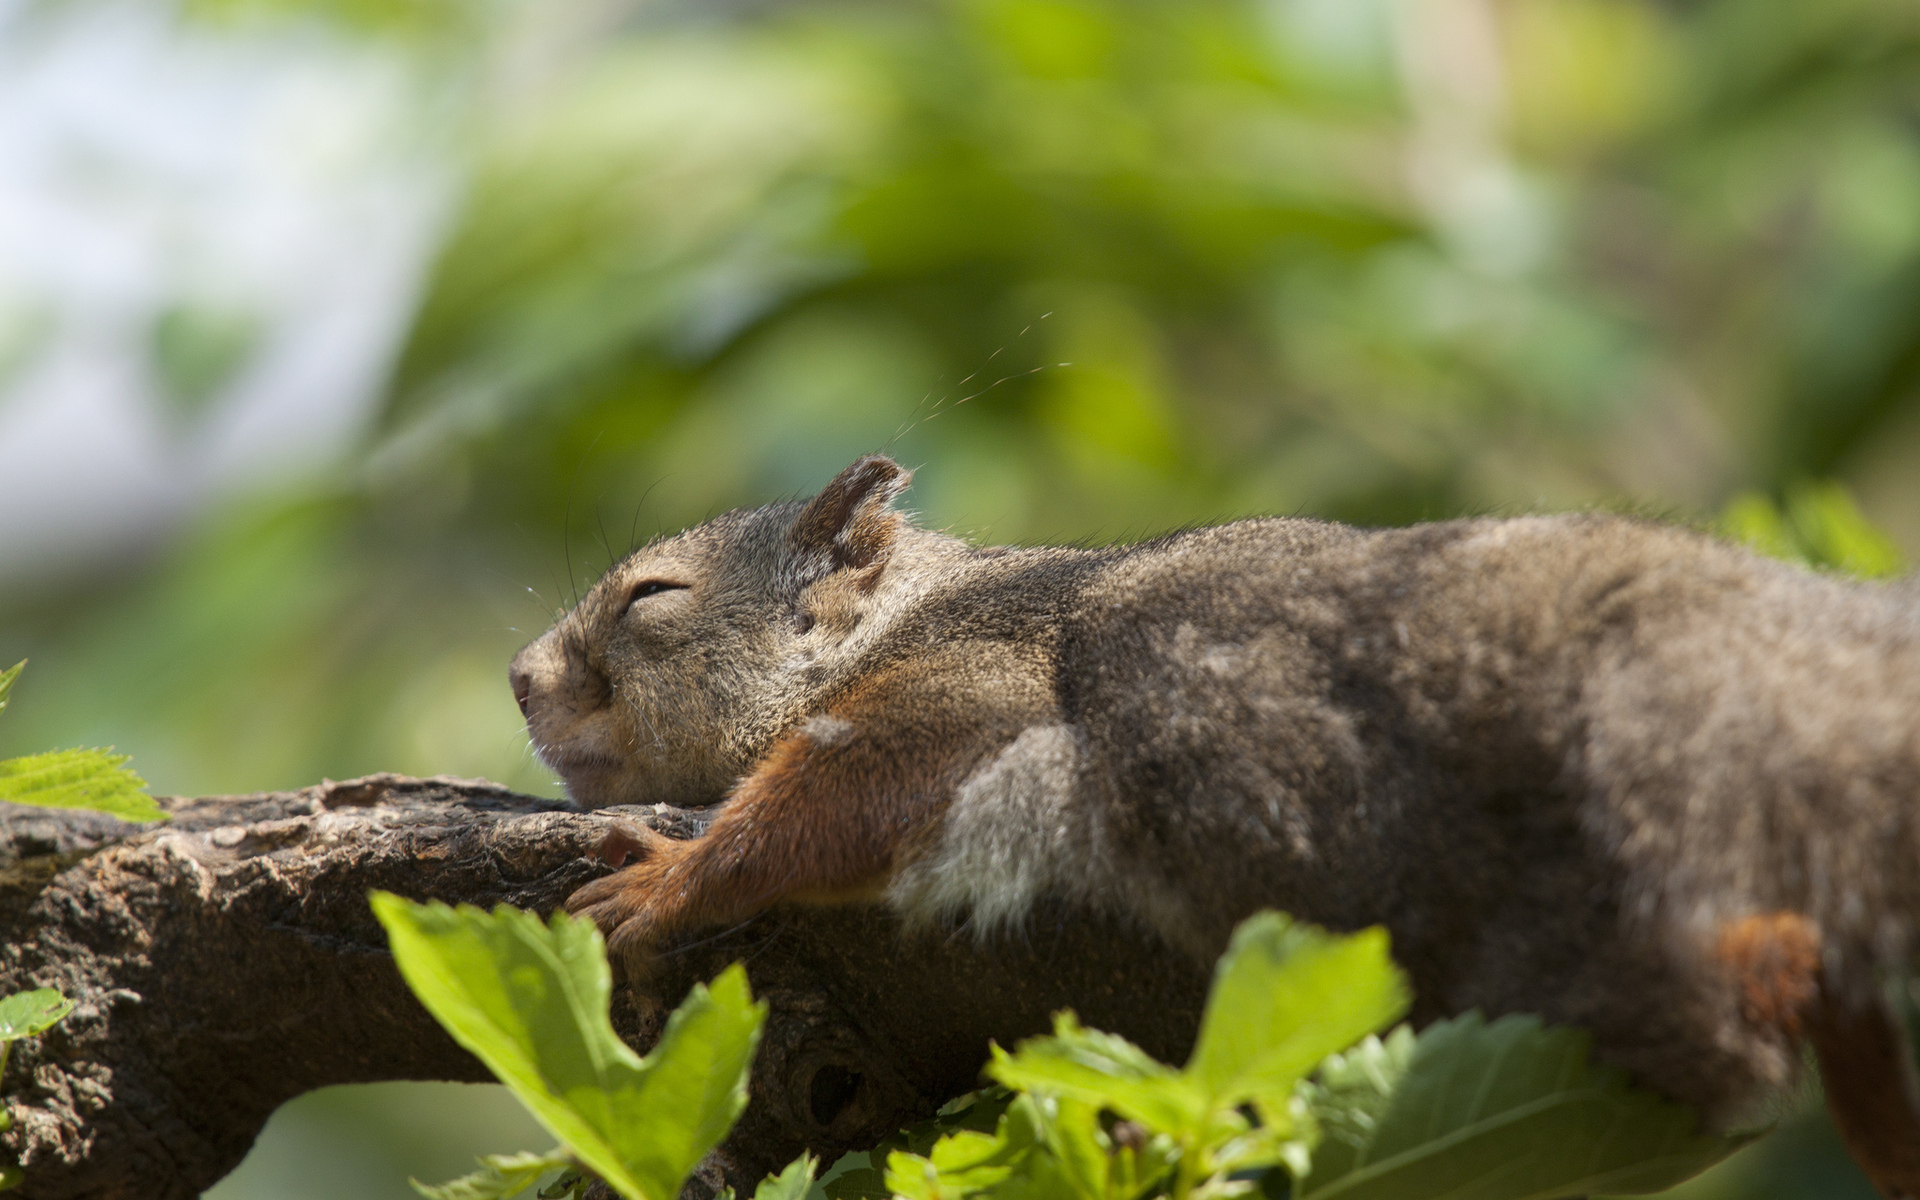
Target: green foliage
x: 23, y: 1015
x: 92, y: 779
x: 707, y: 258
x: 531, y: 1001
x: 1284, y: 997
x: 1286, y: 1081
x: 1818, y: 524
x: 1478, y: 1111
x: 1502, y: 1111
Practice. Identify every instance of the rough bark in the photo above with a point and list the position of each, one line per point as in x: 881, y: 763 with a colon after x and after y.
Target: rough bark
x: 227, y: 961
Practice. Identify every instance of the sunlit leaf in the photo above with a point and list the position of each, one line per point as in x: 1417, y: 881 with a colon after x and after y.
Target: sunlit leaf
x: 25, y: 1014
x: 93, y: 779
x: 967, y: 1161
x: 790, y: 1184
x: 6, y: 681
x: 1285, y: 996
x: 1103, y: 1070
x: 530, y: 1000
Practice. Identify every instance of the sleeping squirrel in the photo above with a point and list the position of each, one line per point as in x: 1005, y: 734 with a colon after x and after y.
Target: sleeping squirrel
x: 1615, y: 773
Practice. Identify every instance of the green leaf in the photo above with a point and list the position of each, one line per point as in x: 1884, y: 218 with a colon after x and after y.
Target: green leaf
x: 966, y: 1161
x: 27, y: 1013
x: 1509, y: 1111
x: 1285, y: 996
x: 960, y: 1163
x: 95, y: 779
x: 1350, y: 1094
x: 6, y: 681
x: 790, y: 1184
x: 531, y: 1001
x: 1103, y: 1070
x: 500, y: 1176
x: 1073, y: 1135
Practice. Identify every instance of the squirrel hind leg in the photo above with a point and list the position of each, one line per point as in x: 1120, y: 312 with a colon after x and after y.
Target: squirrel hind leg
x: 1866, y: 1064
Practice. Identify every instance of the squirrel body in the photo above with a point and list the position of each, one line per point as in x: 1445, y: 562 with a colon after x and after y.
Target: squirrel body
x: 1615, y: 773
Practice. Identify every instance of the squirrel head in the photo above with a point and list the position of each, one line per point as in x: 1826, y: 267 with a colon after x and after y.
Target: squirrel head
x: 689, y: 657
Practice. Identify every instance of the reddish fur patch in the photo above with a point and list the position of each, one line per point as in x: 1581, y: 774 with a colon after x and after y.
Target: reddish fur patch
x: 1775, y: 958
x: 1865, y: 1061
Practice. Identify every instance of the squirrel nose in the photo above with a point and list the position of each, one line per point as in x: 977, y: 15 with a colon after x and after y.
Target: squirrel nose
x: 522, y: 688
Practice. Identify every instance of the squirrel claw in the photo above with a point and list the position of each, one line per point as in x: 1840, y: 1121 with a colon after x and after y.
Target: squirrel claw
x: 608, y: 900
x: 618, y: 905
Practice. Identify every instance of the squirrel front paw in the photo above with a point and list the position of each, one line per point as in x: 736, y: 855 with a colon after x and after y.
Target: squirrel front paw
x: 636, y: 906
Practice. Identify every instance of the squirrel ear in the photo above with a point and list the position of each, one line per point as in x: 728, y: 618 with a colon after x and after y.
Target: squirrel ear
x: 851, y: 520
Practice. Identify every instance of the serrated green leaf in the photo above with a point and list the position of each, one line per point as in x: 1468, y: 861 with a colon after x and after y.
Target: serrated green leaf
x: 6, y: 681
x: 961, y: 1163
x: 790, y: 1184
x: 1286, y: 995
x: 1349, y: 1096
x: 1071, y: 1129
x: 500, y: 1177
x: 94, y: 779
x: 531, y: 1001
x: 27, y: 1013
x: 1103, y: 1070
x: 1513, y: 1111
x: 968, y: 1161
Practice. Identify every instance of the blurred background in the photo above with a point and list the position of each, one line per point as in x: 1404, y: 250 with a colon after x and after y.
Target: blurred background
x: 343, y: 341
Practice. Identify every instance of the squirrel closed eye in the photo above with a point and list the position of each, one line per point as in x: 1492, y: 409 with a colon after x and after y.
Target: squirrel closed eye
x: 1615, y: 773
x: 651, y: 587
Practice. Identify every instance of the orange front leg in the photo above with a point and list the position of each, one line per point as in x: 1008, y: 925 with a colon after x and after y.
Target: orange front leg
x: 828, y: 816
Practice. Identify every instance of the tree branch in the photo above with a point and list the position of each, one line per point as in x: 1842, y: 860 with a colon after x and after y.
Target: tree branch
x: 227, y: 961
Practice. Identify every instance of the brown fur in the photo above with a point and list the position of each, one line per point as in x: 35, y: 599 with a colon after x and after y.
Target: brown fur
x: 1615, y: 773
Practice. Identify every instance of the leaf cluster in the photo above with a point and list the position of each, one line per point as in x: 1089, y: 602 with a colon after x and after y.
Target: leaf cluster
x: 1288, y: 1092
x: 531, y: 1001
